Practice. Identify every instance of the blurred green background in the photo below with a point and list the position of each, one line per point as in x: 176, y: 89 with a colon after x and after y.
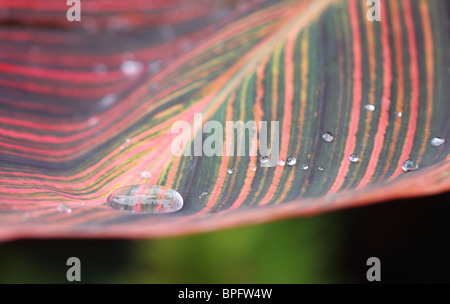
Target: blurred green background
x: 411, y: 238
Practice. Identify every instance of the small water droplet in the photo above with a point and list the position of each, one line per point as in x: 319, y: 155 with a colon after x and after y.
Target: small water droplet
x: 154, y: 86
x: 264, y: 159
x: 327, y: 136
x: 128, y: 56
x: 437, y: 141
x: 253, y: 168
x: 90, y: 25
x: 305, y: 167
x: 313, y: 7
x: 34, y: 49
x: 220, y: 43
x: 410, y: 165
x: 121, y: 147
x: 281, y: 163
x: 127, y: 140
x: 354, y: 158
x: 369, y: 107
x: 168, y: 32
x: 399, y: 114
x: 93, y: 121
x: 4, y: 12
x: 331, y: 197
x: 118, y: 24
x: 131, y: 68
x: 146, y: 174
x: 186, y: 45
x: 101, y: 69
x: 230, y: 171
x: 291, y: 161
x: 145, y: 199
x: 63, y: 208
x: 204, y: 193
x: 154, y: 67
x: 107, y: 101
x: 25, y: 216
x: 320, y: 168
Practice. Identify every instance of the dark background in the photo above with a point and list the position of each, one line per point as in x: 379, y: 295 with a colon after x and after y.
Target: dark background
x: 410, y: 237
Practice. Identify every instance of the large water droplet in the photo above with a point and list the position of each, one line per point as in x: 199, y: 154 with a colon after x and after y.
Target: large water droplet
x: 327, y: 136
x: 291, y: 161
x: 410, y: 165
x: 369, y: 107
x: 354, y: 158
x: 145, y: 199
x: 437, y: 141
x: 63, y: 208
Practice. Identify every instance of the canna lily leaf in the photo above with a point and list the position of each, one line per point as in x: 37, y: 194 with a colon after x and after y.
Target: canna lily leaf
x: 87, y: 108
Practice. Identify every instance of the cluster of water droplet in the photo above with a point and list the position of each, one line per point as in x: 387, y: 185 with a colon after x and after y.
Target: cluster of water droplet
x: 156, y: 199
x: 408, y: 165
x: 411, y: 164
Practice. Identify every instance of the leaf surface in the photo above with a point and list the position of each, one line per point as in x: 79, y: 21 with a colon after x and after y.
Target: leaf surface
x: 86, y: 107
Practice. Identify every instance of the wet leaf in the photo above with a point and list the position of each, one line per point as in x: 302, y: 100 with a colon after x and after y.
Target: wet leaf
x: 87, y: 108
